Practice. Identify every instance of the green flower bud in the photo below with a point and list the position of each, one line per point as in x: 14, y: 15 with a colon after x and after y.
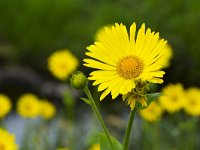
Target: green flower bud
x: 78, y: 80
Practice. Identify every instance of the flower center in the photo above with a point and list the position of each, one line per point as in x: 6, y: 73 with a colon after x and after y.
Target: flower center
x: 130, y: 67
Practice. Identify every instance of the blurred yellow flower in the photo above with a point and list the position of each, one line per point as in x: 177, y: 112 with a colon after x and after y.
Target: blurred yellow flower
x: 152, y: 113
x: 192, y: 102
x: 167, y: 56
x: 5, y: 105
x: 28, y: 106
x: 95, y: 147
x: 173, y: 98
x: 121, y: 59
x: 7, y: 140
x: 62, y: 63
x: 47, y: 109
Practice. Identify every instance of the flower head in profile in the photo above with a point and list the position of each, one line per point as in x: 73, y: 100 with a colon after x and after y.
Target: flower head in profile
x: 7, y: 140
x: 28, y: 106
x: 173, y: 97
x: 62, y: 63
x: 5, y: 105
x: 152, y: 113
x: 122, y: 58
x: 192, y: 101
x: 47, y: 109
x: 137, y: 95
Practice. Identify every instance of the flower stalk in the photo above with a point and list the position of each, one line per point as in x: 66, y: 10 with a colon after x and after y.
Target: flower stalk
x: 128, y: 130
x: 95, y: 109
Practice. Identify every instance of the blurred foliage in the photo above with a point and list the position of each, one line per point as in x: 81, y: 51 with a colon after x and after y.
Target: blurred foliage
x: 34, y: 28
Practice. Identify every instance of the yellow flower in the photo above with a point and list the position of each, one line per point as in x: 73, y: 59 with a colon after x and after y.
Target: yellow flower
x: 5, y: 105
x: 167, y: 56
x: 192, y: 102
x: 62, y: 63
x: 121, y: 59
x: 28, y: 106
x: 95, y: 147
x: 173, y: 98
x: 47, y: 109
x: 152, y: 113
x: 7, y: 141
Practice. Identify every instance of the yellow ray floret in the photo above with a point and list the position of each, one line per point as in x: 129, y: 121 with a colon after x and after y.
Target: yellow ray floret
x: 121, y: 58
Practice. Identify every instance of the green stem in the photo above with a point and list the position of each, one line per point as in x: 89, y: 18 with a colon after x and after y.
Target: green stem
x: 93, y: 104
x: 128, y: 130
x: 69, y: 104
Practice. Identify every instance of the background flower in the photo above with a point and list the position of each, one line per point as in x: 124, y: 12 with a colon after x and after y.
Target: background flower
x: 47, y: 109
x: 28, y: 106
x: 7, y: 140
x: 95, y: 147
x: 5, y: 105
x: 62, y: 63
x: 173, y: 97
x: 167, y: 56
x: 152, y: 113
x: 192, y: 101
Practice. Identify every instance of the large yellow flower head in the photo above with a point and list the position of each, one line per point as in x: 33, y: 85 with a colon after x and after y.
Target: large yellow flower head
x: 62, y: 63
x: 152, y: 113
x: 192, y: 102
x: 47, y: 109
x: 28, y: 106
x: 173, y: 98
x: 5, y: 105
x: 95, y: 147
x: 7, y: 141
x: 121, y: 59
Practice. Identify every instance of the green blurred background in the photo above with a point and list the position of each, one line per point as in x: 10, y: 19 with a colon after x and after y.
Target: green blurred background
x: 31, y: 29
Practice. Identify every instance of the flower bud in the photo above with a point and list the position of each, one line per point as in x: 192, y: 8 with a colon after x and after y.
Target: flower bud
x: 78, y: 80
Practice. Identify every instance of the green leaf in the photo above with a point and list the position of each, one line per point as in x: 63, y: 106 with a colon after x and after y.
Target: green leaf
x: 87, y: 101
x: 139, y: 106
x: 152, y: 97
x: 105, y: 145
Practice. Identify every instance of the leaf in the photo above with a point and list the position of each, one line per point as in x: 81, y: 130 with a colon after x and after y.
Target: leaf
x: 105, y: 145
x: 139, y: 106
x: 87, y: 101
x: 153, y: 97
x: 150, y: 98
